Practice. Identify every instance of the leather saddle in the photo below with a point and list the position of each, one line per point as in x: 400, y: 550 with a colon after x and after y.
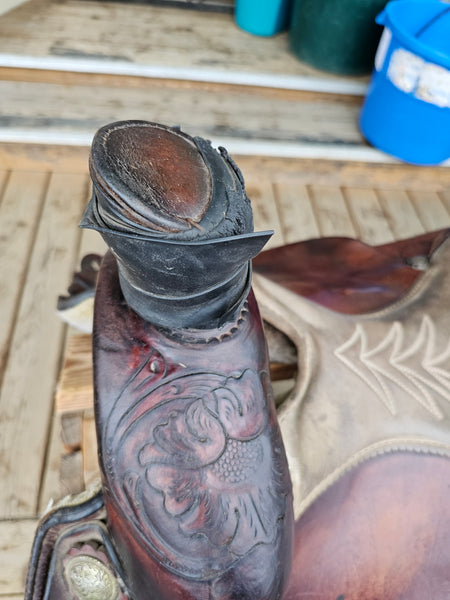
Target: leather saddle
x: 195, y: 500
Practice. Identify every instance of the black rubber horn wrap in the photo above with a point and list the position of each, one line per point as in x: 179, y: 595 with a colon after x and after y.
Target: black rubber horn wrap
x: 175, y: 214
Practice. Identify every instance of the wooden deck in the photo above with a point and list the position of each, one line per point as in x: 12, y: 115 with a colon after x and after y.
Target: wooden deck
x: 94, y: 62
x: 66, y: 68
x: 153, y: 41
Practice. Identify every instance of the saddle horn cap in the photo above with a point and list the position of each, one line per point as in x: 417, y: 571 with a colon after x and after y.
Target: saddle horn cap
x: 172, y: 209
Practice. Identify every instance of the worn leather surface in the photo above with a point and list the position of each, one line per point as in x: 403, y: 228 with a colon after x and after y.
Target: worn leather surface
x: 367, y: 383
x: 347, y: 275
x: 156, y: 180
x: 367, y: 435
x: 196, y: 485
x: 381, y: 532
x: 73, y: 555
x: 176, y: 216
x: 195, y: 478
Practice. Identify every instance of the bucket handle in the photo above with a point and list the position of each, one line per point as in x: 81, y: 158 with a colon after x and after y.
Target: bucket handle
x: 381, y: 20
x: 432, y: 21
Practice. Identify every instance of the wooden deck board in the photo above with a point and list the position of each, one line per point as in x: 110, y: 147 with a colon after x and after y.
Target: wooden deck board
x: 430, y: 208
x: 31, y: 371
x: 218, y: 112
x: 297, y: 218
x: 400, y: 213
x: 113, y: 37
x: 95, y: 62
x: 306, y: 170
x: 51, y: 490
x: 74, y: 391
x: 4, y: 174
x: 16, y: 538
x: 331, y: 211
x: 265, y: 210
x: 368, y: 216
x: 20, y: 208
x: 91, y: 470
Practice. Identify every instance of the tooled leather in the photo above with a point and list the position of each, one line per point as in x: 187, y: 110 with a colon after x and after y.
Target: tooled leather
x: 368, y: 384
x: 192, y: 458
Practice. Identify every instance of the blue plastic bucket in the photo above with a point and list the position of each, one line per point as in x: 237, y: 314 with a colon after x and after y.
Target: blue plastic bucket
x: 262, y: 17
x: 406, y: 112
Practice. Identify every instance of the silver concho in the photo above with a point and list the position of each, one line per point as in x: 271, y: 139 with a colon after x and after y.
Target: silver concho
x: 89, y: 579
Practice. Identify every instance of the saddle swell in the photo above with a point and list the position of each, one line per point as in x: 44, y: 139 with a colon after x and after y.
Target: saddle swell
x: 196, y: 484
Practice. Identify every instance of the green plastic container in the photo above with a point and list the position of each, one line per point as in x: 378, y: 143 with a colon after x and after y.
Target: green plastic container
x: 339, y: 36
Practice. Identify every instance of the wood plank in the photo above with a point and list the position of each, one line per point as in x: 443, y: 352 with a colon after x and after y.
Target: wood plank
x: 430, y: 209
x: 16, y: 538
x: 112, y: 80
x: 74, y: 391
x: 214, y: 5
x: 27, y: 394
x: 51, y: 491
x: 331, y: 211
x: 66, y: 436
x: 400, y: 213
x: 305, y: 171
x: 368, y: 216
x: 4, y: 175
x: 116, y: 36
x: 44, y: 157
x: 345, y: 173
x: 296, y: 213
x: 66, y: 432
x: 445, y: 197
x: 91, y: 470
x: 8, y: 5
x: 72, y: 431
x: 71, y: 473
x: 214, y: 112
x: 19, y: 215
x: 265, y: 211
